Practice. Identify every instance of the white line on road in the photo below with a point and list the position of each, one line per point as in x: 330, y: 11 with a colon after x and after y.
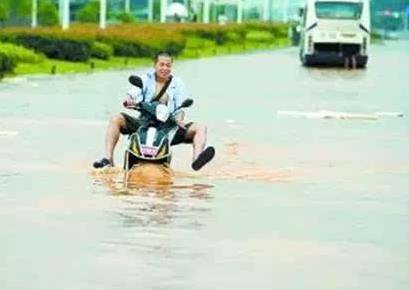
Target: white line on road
x: 8, y: 133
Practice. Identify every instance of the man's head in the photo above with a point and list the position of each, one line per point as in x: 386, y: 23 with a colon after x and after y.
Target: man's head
x: 163, y: 65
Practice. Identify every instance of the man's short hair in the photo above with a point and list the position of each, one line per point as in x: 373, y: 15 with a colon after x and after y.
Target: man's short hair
x: 162, y: 53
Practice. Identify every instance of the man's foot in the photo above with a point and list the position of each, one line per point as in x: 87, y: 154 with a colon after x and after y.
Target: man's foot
x: 104, y: 162
x: 203, y: 158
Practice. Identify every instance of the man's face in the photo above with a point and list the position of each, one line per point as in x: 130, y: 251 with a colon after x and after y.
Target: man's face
x: 163, y: 67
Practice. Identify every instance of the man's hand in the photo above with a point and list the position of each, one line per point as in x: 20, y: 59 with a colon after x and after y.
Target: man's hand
x: 180, y: 124
x: 179, y: 119
x: 129, y: 102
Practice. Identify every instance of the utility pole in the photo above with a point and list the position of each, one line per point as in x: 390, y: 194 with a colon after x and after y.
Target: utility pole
x: 206, y: 11
x: 150, y: 10
x: 34, y: 6
x: 163, y: 8
x: 65, y: 12
x: 406, y: 14
x: 102, y: 14
x: 240, y: 11
x: 60, y: 11
x: 266, y: 10
x: 127, y: 6
x: 285, y: 11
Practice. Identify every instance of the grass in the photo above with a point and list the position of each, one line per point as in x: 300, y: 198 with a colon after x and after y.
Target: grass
x: 51, y: 66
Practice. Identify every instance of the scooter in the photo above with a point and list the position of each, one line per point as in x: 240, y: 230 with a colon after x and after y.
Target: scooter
x: 148, y: 156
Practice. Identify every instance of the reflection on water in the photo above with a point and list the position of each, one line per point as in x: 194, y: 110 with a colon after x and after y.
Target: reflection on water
x: 150, y: 203
x: 148, y: 208
x: 232, y: 166
x: 113, y: 179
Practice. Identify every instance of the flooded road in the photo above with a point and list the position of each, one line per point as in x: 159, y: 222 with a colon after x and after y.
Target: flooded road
x: 309, y: 189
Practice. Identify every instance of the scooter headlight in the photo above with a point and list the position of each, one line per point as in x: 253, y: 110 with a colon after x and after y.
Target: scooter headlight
x: 162, y: 113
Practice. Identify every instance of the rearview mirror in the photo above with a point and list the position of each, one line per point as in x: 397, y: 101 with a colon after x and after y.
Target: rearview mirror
x: 187, y: 103
x: 136, y: 81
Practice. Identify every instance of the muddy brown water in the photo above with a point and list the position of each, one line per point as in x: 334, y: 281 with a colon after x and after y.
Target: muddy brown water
x: 292, y: 201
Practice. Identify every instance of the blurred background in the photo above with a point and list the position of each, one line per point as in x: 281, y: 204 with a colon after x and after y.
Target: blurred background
x: 386, y: 14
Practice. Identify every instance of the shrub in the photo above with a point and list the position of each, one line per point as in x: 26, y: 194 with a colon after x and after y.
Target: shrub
x: 198, y: 43
x: 20, y: 54
x: 101, y: 50
x: 217, y: 35
x: 59, y: 48
x: 376, y: 36
x: 7, y: 64
x: 279, y: 30
x: 142, y: 40
x: 53, y: 42
x: 136, y: 40
x: 259, y: 36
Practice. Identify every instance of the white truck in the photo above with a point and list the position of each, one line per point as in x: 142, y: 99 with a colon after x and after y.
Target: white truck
x: 332, y: 30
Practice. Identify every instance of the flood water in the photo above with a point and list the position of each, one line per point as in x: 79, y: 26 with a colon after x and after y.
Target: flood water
x: 309, y: 189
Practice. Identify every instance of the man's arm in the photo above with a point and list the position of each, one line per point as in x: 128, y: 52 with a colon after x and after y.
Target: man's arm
x: 180, y: 116
x: 181, y: 95
x: 134, y: 95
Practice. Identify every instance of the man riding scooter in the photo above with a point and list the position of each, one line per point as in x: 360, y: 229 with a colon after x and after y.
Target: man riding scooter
x: 159, y: 85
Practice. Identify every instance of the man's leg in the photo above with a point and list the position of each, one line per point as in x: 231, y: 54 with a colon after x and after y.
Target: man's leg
x: 112, y: 136
x: 353, y: 62
x: 346, y: 62
x: 111, y: 139
x: 198, y: 134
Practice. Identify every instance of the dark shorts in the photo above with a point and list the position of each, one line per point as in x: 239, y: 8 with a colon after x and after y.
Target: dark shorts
x: 132, y: 124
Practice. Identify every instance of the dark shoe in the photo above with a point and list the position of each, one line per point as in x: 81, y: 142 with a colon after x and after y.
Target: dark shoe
x: 203, y: 158
x: 102, y: 163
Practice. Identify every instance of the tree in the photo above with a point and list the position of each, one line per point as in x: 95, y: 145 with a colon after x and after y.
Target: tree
x: 47, y: 14
x: 89, y: 13
x: 22, y: 7
x: 4, y: 12
x: 126, y: 17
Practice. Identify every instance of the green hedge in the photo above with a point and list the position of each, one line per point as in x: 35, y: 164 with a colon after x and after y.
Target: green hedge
x: 11, y: 55
x: 65, y: 49
x: 20, y: 54
x: 81, y: 42
x: 52, y: 42
x: 101, y: 50
x: 278, y: 30
x: 236, y: 32
x: 218, y: 34
x: 142, y: 40
x: 127, y: 48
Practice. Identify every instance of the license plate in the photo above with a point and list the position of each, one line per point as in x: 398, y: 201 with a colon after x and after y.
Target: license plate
x: 149, y: 151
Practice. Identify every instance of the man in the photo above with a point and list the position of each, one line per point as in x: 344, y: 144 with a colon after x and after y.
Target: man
x: 159, y: 85
x: 349, y: 53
